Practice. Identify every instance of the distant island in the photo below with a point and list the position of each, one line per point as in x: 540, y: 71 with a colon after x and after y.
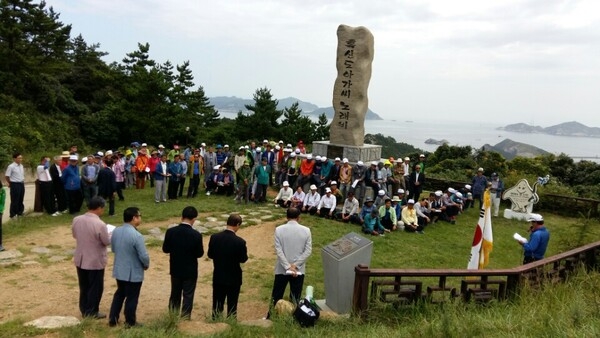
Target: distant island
x: 511, y: 149
x: 232, y: 104
x: 436, y: 142
x: 572, y: 128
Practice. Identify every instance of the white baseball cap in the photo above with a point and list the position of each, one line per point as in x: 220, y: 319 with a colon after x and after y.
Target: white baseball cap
x: 535, y: 218
x: 333, y: 183
x: 286, y: 184
x: 327, y: 190
x: 401, y: 191
x: 459, y: 195
x: 309, y: 156
x: 73, y: 158
x: 468, y: 186
x: 323, y: 158
x: 360, y: 163
x: 337, y: 159
x: 381, y: 192
x: 411, y: 201
x: 144, y: 144
x: 345, y: 160
x: 374, y: 163
x: 318, y: 158
x: 313, y: 187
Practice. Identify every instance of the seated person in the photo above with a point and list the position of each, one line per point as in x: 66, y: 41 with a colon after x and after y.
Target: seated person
x: 467, y: 196
x: 336, y: 192
x: 366, y: 209
x: 211, y: 180
x: 422, y: 208
x: 311, y: 201
x: 327, y: 204
x: 380, y: 199
x: 387, y: 215
x: 398, y: 208
x: 316, y: 173
x: 225, y: 183
x: 452, y: 209
x: 402, y: 196
x: 306, y: 170
x: 409, y: 217
x: 284, y: 197
x: 349, y: 211
x: 437, y: 207
x: 458, y: 199
x: 372, y: 225
x: 298, y: 198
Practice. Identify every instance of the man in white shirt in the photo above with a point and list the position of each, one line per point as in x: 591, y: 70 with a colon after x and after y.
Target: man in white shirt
x: 293, y: 246
x: 311, y: 201
x: 284, y: 197
x: 46, y: 187
x: 326, y: 206
x: 349, y: 210
x: 15, y: 179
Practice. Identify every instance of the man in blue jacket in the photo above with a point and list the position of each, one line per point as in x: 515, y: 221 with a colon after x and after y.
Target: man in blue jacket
x: 131, y: 259
x: 535, y: 249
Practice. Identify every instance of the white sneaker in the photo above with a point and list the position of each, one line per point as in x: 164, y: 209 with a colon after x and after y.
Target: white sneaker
x: 56, y: 214
x: 208, y: 193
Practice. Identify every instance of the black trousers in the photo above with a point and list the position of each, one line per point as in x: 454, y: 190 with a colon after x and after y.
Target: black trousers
x: 181, y: 184
x: 91, y: 286
x: 47, y: 192
x: 17, y: 194
x: 172, y: 189
x: 59, y: 194
x: 193, y: 187
x: 74, y: 200
x: 279, y: 285
x: 128, y: 293
x: 120, y: 188
x: 182, y: 288
x: 220, y: 293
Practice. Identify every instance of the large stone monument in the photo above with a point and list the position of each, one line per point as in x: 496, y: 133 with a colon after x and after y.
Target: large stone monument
x: 355, y: 51
x: 522, y: 197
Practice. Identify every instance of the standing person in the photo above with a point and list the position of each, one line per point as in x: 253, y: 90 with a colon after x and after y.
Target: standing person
x: 90, y: 256
x: 184, y: 246
x: 141, y: 168
x: 479, y: 184
x: 58, y: 187
x: 345, y: 178
x: 262, y: 174
x: 194, y: 171
x: 244, y: 175
x: 131, y: 259
x: 293, y: 246
x: 2, y: 201
x: 107, y: 185
x: 89, y: 178
x: 535, y: 249
x: 174, y: 172
x: 417, y: 179
x: 15, y: 179
x: 46, y: 186
x: 119, y: 169
x: 160, y: 180
x: 227, y: 251
x: 72, y: 183
x: 152, y: 162
x: 496, y: 190
x: 184, y: 170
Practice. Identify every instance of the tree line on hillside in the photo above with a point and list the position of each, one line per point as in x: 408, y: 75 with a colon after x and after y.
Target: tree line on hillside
x: 56, y: 90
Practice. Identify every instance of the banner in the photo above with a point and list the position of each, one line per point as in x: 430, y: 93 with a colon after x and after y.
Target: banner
x: 483, y: 241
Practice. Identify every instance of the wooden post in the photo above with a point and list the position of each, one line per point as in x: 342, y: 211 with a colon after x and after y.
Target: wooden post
x: 361, y: 288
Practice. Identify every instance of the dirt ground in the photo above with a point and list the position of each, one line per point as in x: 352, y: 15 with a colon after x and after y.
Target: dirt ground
x: 39, y: 287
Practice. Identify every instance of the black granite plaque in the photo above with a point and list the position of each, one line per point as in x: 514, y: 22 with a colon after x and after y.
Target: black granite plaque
x: 335, y: 151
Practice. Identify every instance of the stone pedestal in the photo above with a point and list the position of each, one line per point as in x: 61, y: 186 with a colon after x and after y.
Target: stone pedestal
x: 365, y: 153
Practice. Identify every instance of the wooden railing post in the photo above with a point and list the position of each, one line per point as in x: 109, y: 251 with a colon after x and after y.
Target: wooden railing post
x: 360, y: 297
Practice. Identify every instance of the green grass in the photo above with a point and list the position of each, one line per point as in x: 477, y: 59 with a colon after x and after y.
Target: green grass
x: 563, y: 310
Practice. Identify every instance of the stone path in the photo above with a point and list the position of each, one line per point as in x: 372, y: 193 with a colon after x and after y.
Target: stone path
x: 41, y: 255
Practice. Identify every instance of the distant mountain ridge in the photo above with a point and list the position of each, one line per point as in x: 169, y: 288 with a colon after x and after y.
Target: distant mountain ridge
x: 572, y: 128
x: 233, y: 104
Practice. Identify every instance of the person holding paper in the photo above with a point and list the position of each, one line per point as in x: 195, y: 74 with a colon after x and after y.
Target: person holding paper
x: 535, y: 249
x: 293, y: 246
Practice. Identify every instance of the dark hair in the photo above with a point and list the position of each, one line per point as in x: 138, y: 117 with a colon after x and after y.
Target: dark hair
x: 189, y: 212
x: 234, y: 220
x: 15, y: 155
x: 108, y: 161
x: 96, y: 202
x: 130, y: 213
x: 293, y: 213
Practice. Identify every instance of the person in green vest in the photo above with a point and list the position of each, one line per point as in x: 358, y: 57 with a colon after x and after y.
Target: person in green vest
x: 262, y: 173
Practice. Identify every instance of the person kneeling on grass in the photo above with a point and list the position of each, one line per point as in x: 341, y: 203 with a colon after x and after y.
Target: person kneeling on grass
x: 284, y: 197
x: 372, y: 225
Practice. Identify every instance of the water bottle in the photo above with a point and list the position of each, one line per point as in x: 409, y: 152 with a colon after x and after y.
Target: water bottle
x: 309, y: 292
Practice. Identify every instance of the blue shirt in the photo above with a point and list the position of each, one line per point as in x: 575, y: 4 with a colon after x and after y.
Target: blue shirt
x: 538, y: 242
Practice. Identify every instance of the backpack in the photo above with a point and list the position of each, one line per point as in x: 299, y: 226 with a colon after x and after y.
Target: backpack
x: 306, y: 313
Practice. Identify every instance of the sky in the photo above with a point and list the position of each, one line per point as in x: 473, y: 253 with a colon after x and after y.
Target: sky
x: 511, y: 61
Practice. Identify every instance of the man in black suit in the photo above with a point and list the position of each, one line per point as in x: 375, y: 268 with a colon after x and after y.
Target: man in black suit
x: 184, y: 244
x: 227, y: 251
x: 417, y: 179
x: 57, y: 184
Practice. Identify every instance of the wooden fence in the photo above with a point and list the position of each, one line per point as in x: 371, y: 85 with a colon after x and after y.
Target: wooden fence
x: 409, y: 286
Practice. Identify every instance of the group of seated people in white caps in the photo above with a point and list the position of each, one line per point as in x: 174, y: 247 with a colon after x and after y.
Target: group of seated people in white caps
x: 382, y: 214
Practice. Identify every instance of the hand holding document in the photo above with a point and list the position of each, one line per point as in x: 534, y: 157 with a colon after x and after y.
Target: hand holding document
x: 290, y: 272
x: 520, y: 238
x: 354, y: 184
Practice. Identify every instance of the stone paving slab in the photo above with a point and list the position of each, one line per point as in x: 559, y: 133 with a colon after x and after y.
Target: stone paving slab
x: 53, y: 322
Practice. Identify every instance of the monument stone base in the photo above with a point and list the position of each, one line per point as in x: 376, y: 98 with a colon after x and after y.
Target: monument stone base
x: 365, y: 153
x: 509, y: 214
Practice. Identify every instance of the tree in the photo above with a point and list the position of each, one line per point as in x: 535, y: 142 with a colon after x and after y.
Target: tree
x: 295, y: 126
x: 321, y: 129
x: 263, y: 121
